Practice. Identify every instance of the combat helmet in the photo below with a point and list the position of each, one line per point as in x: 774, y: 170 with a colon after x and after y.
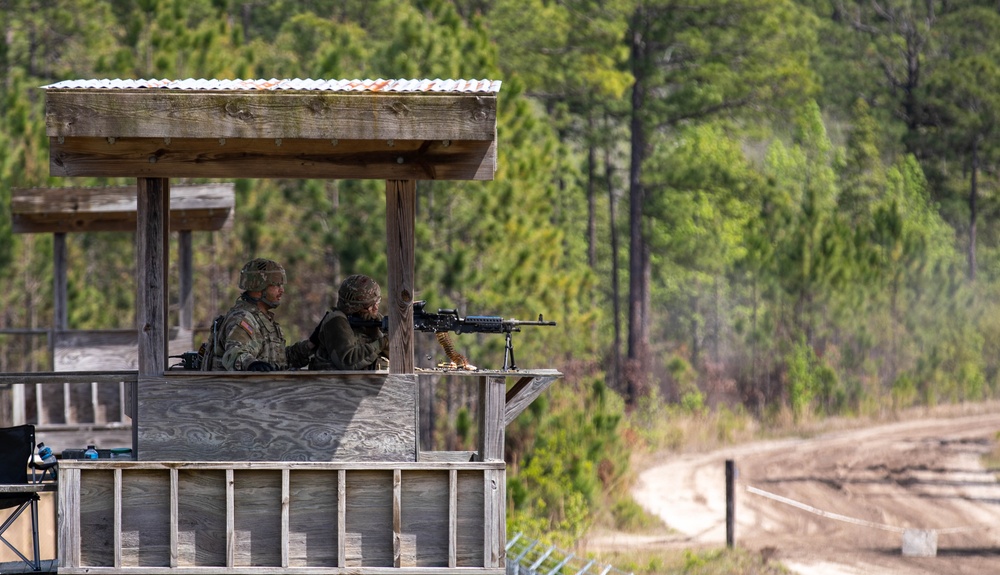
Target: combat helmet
x: 259, y: 273
x: 357, y: 292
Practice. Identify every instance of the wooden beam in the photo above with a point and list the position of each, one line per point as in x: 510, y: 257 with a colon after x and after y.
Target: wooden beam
x: 400, y: 209
x: 491, y: 416
x: 525, y: 391
x: 439, y: 159
x: 193, y: 207
x: 59, y: 282
x: 146, y: 113
x: 186, y: 273
x: 152, y: 255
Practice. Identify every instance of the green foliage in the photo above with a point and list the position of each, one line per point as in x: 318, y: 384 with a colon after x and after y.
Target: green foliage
x: 696, y: 562
x: 567, y: 460
x: 629, y: 516
x: 811, y: 384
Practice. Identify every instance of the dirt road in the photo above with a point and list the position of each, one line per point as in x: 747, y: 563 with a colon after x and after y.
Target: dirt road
x: 839, y: 503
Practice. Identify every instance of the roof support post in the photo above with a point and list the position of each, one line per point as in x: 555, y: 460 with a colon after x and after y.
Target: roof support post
x: 184, y: 245
x: 152, y: 252
x: 400, y: 207
x: 59, y: 294
x: 59, y: 281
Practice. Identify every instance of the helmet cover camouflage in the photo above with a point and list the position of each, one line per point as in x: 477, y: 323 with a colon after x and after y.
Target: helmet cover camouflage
x: 358, y: 292
x: 259, y: 273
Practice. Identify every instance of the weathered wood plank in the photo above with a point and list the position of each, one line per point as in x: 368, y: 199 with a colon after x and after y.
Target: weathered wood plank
x: 369, y: 519
x: 257, y: 518
x: 185, y: 264
x: 495, y: 537
x: 269, y: 115
x: 397, y: 478
x: 97, y: 508
x: 230, y: 518
x: 174, y: 507
x: 285, y: 500
x: 491, y: 412
x: 341, y: 518
x: 452, y: 518
x: 202, y: 518
x: 313, y: 519
x: 144, y: 518
x: 117, y: 522
x: 232, y: 158
x: 193, y: 207
x: 292, y: 416
x: 58, y: 378
x: 152, y: 256
x: 470, y: 520
x: 60, y: 282
x: 400, y: 210
x: 68, y: 518
x: 424, y: 525
x: 455, y: 456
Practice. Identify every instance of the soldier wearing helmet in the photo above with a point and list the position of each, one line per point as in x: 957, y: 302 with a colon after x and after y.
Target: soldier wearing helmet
x: 341, y: 346
x: 249, y: 339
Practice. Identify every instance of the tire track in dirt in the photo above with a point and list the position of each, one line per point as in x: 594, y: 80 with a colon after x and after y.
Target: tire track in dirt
x: 918, y: 474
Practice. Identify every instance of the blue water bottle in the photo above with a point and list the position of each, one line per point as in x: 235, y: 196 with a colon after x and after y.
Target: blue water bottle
x: 48, y: 459
x: 45, y: 455
x: 91, y: 452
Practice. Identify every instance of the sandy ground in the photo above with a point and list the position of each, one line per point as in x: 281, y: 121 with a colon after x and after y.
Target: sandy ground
x: 839, y: 503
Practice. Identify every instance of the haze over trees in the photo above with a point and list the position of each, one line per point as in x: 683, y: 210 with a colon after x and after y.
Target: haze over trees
x: 778, y: 206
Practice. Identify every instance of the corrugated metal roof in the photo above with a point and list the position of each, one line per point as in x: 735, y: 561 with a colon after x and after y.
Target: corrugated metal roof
x: 476, y: 86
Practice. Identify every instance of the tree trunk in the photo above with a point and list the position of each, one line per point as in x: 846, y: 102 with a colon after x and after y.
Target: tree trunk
x: 637, y: 335
x: 972, y: 211
x: 616, y: 352
x: 591, y: 197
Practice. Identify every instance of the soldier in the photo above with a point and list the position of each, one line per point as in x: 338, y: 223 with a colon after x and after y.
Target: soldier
x: 341, y: 346
x: 249, y: 339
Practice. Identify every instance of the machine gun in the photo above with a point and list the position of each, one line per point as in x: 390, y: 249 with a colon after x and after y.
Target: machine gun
x: 448, y: 320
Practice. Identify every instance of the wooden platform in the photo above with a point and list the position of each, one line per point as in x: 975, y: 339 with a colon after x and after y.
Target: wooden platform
x: 243, y: 517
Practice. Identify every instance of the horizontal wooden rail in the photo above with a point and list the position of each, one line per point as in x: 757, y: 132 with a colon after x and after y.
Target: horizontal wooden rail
x: 65, y: 401
x: 69, y: 377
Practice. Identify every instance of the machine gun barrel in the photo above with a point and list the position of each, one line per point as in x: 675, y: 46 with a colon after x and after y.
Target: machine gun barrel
x: 446, y: 320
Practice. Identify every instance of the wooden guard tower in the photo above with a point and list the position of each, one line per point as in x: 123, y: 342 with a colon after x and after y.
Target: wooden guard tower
x: 287, y: 472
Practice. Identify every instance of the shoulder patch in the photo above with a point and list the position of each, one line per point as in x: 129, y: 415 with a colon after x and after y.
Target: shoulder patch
x: 246, y: 327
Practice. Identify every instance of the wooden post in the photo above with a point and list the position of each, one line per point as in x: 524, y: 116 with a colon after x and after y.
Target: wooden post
x: 730, y: 503
x: 186, y: 280
x: 61, y: 318
x: 152, y: 251
x: 491, y: 417
x: 400, y: 207
x: 59, y: 292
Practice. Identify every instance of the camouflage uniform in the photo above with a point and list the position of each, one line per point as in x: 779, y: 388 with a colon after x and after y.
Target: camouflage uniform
x: 341, y: 346
x: 249, y: 334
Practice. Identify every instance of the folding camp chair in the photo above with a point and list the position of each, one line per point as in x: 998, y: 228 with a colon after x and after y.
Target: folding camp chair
x: 16, y: 491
